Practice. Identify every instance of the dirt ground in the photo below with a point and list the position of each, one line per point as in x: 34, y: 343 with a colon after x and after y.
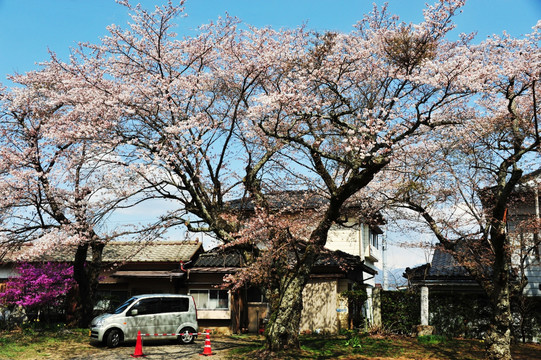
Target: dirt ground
x: 162, y: 350
x: 372, y: 348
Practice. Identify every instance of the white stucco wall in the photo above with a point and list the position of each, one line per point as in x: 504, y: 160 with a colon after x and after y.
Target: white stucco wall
x: 345, y: 239
x: 319, y: 306
x: 354, y: 240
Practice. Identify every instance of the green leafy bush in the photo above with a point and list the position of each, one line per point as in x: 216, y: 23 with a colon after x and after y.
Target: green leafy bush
x: 355, y: 342
x: 356, y: 296
x: 400, y: 311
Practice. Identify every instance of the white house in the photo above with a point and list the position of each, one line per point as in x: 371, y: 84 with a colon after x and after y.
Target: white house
x: 359, y: 239
x: 524, y: 225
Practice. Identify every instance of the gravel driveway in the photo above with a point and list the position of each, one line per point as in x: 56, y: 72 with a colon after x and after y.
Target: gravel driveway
x: 163, y: 349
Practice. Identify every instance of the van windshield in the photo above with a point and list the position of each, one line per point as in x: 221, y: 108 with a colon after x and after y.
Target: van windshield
x: 123, y: 307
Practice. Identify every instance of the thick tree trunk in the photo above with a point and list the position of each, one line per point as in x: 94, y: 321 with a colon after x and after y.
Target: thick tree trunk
x: 499, y: 335
x: 286, y: 298
x: 286, y: 307
x: 86, y: 274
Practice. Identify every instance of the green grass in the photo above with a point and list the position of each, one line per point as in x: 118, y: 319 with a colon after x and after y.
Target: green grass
x: 61, y: 343
x: 351, y: 346
x: 431, y: 339
x: 325, y: 348
x: 34, y: 343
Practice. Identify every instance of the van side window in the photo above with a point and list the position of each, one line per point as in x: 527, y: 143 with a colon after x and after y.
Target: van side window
x: 174, y: 304
x: 148, y: 306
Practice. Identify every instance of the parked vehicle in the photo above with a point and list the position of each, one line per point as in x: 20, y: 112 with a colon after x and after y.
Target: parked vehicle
x: 161, y: 316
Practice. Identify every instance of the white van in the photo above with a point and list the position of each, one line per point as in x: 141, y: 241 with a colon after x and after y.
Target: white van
x: 161, y: 316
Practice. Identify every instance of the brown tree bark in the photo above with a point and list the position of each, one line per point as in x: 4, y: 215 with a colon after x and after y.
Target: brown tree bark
x: 499, y: 335
x: 286, y: 308
x: 86, y: 274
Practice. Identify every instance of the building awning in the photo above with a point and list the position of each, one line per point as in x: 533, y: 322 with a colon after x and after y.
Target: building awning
x: 213, y: 270
x: 149, y: 274
x: 368, y: 269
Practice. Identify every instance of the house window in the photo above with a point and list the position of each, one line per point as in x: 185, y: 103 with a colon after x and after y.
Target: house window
x: 211, y: 299
x: 255, y: 295
x: 374, y: 241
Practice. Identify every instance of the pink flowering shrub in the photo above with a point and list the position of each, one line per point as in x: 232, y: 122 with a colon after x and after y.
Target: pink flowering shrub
x: 38, y: 286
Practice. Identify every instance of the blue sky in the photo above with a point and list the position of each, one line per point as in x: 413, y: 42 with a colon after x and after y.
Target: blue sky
x: 29, y: 27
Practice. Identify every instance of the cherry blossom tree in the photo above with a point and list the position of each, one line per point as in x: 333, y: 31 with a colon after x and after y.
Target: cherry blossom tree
x: 177, y: 107
x: 471, y: 185
x: 236, y: 111
x: 57, y: 182
x: 346, y: 106
x: 180, y: 103
x: 240, y: 112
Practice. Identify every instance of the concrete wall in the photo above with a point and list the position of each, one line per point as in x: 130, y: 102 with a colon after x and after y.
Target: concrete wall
x: 327, y: 311
x: 320, y: 304
x: 256, y: 313
x: 342, y: 308
x: 222, y: 327
x: 345, y: 239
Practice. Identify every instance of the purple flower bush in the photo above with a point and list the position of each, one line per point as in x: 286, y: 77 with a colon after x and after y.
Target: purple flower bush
x: 38, y: 285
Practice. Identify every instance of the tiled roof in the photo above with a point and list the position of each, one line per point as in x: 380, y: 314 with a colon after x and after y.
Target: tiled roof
x: 117, y: 251
x: 296, y: 200
x: 342, y: 260
x: 337, y: 258
x: 445, y: 265
x: 442, y: 267
x: 218, y: 258
x: 229, y: 259
x: 159, y: 251
x: 521, y: 195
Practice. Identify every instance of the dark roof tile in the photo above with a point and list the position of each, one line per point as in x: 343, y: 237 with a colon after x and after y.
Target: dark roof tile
x: 119, y: 251
x: 219, y: 259
x: 443, y: 266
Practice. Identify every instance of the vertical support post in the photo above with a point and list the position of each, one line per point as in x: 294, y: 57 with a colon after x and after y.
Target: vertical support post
x: 537, y: 232
x: 377, y: 307
x: 369, y: 307
x: 384, y: 261
x: 424, y: 305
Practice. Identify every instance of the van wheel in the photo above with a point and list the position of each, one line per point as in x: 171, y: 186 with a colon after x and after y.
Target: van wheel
x: 187, y: 336
x: 113, y: 338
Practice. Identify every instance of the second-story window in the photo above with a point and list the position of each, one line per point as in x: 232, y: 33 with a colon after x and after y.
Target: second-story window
x: 374, y: 239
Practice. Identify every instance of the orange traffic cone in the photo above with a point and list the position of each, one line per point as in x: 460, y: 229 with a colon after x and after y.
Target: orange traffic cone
x: 207, y: 351
x: 138, y: 347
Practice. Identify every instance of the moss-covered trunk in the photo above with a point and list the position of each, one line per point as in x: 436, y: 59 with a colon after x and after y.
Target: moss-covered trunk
x: 498, y: 338
x: 286, y: 308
